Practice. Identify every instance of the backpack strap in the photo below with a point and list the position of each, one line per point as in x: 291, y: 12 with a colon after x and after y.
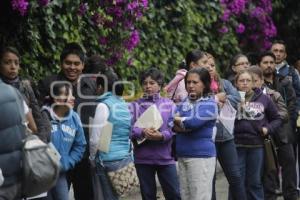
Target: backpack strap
x: 172, y: 98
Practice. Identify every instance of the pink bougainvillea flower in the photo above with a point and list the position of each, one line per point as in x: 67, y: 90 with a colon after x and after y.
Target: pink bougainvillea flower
x: 223, y: 29
x: 226, y: 15
x: 255, y: 17
x: 133, y: 40
x: 115, y: 11
x: 237, y: 6
x: 103, y: 40
x: 128, y: 24
x: 266, y: 4
x: 83, y: 7
x: 267, y: 45
x: 20, y: 5
x: 240, y: 28
x: 98, y: 19
x: 133, y: 5
x: 257, y: 12
x: 43, y: 2
x: 130, y: 61
x: 144, y: 3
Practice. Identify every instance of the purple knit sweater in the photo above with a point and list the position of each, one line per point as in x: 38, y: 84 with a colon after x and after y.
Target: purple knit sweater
x: 153, y: 152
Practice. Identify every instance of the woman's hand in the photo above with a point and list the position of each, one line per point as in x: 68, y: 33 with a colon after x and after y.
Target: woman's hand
x: 177, y: 120
x: 221, y: 97
x: 178, y: 129
x: 152, y: 134
x: 264, y: 131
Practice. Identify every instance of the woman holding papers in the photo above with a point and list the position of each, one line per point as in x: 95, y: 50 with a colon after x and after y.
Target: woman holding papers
x: 109, y: 141
x: 194, y: 122
x: 257, y: 117
x: 152, y: 152
x: 226, y: 94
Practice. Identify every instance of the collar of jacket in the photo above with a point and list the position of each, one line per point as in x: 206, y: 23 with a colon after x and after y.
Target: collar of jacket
x: 54, y: 117
x: 280, y: 65
x: 257, y: 92
x: 104, y: 96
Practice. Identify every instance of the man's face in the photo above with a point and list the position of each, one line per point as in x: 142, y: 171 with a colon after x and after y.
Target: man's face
x: 72, y: 67
x: 280, y: 52
x: 267, y: 64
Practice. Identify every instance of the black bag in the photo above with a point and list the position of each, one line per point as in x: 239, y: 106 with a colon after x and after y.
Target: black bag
x: 271, y: 162
x: 97, y: 187
x: 173, y: 148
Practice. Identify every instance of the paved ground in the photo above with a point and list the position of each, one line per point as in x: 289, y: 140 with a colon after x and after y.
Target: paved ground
x: 221, y: 189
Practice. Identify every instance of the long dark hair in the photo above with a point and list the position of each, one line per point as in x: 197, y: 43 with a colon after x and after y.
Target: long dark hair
x: 204, y: 76
x: 94, y: 65
x: 109, y: 80
x: 8, y: 49
x: 193, y: 56
x: 55, y: 91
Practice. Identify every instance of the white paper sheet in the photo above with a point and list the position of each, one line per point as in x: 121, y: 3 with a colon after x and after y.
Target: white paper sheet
x: 227, y: 116
x: 151, y: 118
x: 38, y: 196
x: 105, y: 137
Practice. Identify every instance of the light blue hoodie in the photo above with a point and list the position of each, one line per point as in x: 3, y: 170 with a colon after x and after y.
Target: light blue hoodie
x: 68, y: 138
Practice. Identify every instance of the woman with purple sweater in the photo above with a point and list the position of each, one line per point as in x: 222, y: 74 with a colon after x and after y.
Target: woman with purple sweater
x: 257, y: 118
x: 153, y: 156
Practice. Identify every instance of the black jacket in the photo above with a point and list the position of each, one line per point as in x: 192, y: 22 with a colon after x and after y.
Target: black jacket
x: 284, y: 86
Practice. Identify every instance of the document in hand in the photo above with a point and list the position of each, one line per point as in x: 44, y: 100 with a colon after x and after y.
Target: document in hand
x: 151, y: 118
x: 105, y: 137
x: 227, y: 116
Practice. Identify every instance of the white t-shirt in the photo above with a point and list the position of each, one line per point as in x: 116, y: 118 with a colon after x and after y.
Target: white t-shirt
x: 101, y: 116
x: 26, y: 108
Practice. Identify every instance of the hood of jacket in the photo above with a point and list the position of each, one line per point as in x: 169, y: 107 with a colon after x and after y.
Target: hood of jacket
x: 52, y: 115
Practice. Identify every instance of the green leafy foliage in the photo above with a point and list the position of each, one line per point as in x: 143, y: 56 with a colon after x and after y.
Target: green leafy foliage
x: 172, y: 28
x: 40, y: 29
x: 286, y: 16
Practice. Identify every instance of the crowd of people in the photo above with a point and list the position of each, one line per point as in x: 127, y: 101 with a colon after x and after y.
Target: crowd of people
x: 70, y: 110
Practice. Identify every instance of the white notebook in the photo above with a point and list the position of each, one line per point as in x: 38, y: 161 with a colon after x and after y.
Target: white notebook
x: 105, y: 137
x: 151, y: 118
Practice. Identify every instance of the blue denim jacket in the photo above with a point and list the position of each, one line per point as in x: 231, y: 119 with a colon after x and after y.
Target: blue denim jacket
x: 234, y: 97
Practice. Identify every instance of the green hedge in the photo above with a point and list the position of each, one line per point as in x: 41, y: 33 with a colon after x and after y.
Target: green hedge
x: 172, y: 28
